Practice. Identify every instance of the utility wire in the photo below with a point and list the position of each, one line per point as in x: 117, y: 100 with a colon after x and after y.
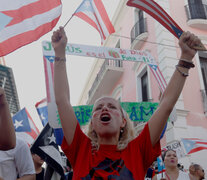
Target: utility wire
x: 117, y: 35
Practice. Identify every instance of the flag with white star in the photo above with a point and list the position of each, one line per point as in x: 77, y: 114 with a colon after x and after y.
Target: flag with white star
x: 193, y: 145
x: 24, y: 126
x: 45, y: 146
x: 42, y: 111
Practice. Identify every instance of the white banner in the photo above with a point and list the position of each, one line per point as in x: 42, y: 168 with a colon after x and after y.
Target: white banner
x: 102, y: 52
x: 96, y: 52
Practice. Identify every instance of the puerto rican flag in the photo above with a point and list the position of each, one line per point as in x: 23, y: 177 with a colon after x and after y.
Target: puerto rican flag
x: 25, y: 127
x: 22, y: 22
x: 51, y: 104
x: 159, y: 77
x: 160, y: 165
x: 193, y: 145
x: 42, y: 111
x: 158, y: 13
x: 94, y: 13
x: 53, y: 116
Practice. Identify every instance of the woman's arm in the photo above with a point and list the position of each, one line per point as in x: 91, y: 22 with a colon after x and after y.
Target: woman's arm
x: 174, y: 88
x: 7, y: 138
x: 61, y: 86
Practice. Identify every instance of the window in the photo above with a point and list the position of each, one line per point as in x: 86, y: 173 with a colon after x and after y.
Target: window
x: 144, y: 84
x: 197, y: 9
x: 203, y: 62
x: 140, y: 25
x: 139, y: 20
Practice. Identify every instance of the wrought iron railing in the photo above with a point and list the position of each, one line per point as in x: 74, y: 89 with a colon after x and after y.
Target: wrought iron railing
x: 196, y: 11
x: 139, y: 28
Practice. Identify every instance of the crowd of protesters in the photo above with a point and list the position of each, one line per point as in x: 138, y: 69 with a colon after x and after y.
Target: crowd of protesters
x: 172, y: 170
x: 110, y: 150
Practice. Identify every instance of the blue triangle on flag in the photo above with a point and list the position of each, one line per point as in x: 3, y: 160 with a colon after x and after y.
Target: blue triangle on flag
x: 85, y: 6
x: 4, y: 20
x: 153, y: 66
x: 21, y: 121
x: 50, y: 58
x: 177, y: 31
x: 160, y: 164
x: 188, y: 144
x: 43, y: 114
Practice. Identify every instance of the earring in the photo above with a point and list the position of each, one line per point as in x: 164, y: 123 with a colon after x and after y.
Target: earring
x: 121, y: 130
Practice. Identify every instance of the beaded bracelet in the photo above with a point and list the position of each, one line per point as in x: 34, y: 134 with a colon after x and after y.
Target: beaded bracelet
x: 182, y: 73
x: 186, y: 64
x: 59, y: 59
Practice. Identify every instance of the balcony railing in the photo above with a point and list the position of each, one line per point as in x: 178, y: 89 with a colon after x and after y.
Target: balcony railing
x: 139, y: 28
x: 196, y: 11
x: 107, y: 63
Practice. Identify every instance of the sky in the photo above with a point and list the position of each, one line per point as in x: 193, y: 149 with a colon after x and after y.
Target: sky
x: 27, y: 61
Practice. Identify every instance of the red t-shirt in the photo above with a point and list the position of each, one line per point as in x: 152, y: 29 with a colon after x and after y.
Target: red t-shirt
x: 109, y: 163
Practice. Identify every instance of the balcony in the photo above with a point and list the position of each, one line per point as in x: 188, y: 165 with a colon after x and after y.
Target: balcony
x: 197, y: 15
x: 109, y: 73
x: 139, y: 34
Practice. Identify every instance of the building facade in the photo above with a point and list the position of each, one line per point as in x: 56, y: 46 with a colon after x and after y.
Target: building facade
x: 7, y: 82
x: 133, y: 81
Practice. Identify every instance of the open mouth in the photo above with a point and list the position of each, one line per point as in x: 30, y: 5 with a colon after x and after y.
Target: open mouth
x: 105, y: 117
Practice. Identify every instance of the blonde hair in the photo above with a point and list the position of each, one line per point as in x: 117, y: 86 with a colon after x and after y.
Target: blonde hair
x: 126, y: 134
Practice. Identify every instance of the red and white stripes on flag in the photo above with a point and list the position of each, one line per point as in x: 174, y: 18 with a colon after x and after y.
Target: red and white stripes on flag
x: 94, y: 13
x: 49, y: 74
x: 193, y: 145
x: 162, y: 85
x: 159, y: 77
x: 158, y: 13
x: 51, y: 104
x: 23, y: 22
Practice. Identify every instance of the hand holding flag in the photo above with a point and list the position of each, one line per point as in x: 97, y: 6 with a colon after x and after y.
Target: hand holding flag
x: 158, y: 13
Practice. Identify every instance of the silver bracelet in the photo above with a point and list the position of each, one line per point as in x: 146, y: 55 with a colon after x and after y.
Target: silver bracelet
x: 59, y: 59
x: 182, y: 73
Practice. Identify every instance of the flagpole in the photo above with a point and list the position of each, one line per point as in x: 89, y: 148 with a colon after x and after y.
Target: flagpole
x: 68, y: 21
